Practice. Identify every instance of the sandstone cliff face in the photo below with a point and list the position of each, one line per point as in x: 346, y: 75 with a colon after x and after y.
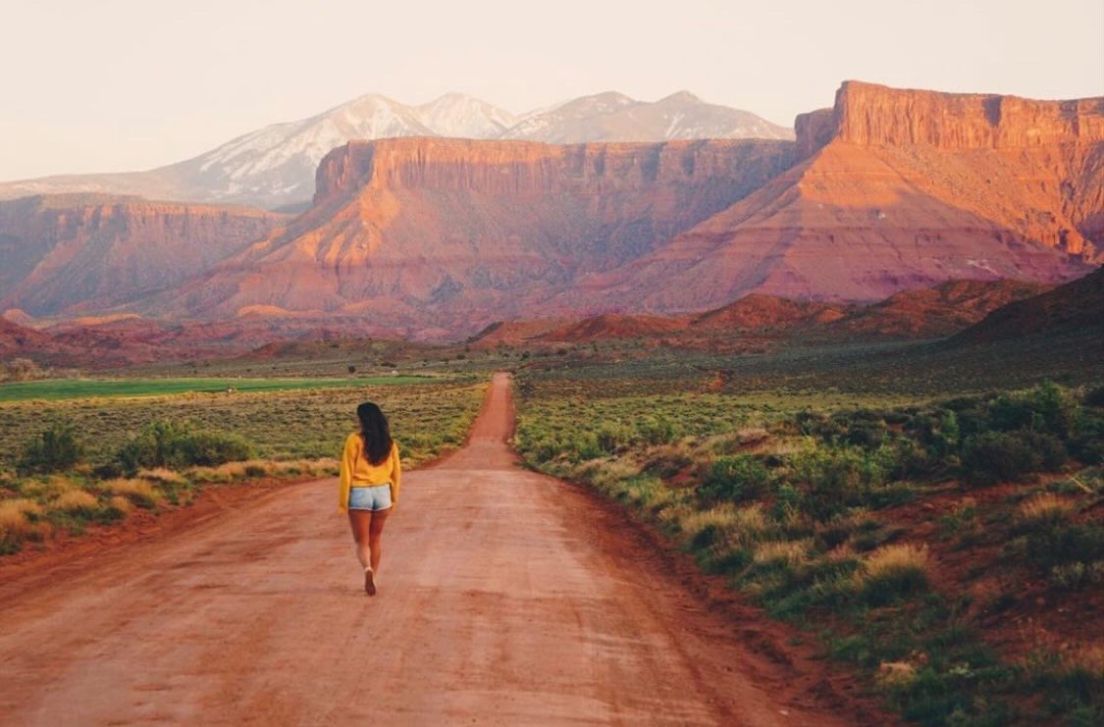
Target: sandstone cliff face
x: 521, y: 168
x: 872, y: 115
x: 896, y: 190
x: 435, y: 232
x: 67, y: 253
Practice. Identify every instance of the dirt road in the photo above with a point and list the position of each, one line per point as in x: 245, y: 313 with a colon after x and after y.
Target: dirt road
x: 505, y: 598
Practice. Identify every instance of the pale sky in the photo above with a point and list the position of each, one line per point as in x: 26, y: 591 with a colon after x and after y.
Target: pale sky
x: 113, y: 85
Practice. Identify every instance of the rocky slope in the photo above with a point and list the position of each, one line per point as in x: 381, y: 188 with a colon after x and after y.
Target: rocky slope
x: 897, y: 189
x: 435, y: 235
x: 934, y: 312
x: 1075, y: 307
x: 274, y: 166
x: 924, y: 313
x: 66, y: 254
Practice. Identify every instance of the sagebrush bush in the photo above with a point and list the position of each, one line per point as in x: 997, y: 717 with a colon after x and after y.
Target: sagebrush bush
x: 52, y: 450
x: 174, y: 446
x: 992, y: 457
x: 1094, y: 397
x: 735, y: 479
x: 657, y: 430
x: 1058, y: 543
x: 837, y: 478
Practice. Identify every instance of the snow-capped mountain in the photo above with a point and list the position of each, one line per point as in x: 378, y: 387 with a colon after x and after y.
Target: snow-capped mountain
x: 274, y: 166
x: 615, y: 117
x: 457, y: 115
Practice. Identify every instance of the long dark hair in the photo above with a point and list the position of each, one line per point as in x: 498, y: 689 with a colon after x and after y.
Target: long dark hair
x: 375, y: 431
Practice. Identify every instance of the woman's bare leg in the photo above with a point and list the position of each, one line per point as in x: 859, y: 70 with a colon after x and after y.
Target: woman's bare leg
x: 375, y: 532
x: 361, y: 522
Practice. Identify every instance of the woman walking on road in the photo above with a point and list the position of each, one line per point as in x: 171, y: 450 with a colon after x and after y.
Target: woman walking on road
x: 371, y: 475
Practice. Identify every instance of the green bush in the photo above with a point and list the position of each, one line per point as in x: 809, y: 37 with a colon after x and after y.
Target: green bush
x: 53, y: 450
x: 164, y: 444
x: 736, y: 479
x: 1094, y: 397
x: 992, y: 457
x: 837, y: 478
x: 657, y: 430
x: 612, y: 436
x: 1062, y: 543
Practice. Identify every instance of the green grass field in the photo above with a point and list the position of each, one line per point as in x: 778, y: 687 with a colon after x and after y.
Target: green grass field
x: 80, y: 388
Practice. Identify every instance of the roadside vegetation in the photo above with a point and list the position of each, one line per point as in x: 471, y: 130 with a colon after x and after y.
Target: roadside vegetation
x: 69, y: 464
x: 950, y: 548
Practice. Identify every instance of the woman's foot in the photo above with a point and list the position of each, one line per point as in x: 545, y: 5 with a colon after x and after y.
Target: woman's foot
x: 369, y: 582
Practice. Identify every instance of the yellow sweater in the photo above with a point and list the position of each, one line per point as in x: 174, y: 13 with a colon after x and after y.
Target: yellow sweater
x: 357, y: 471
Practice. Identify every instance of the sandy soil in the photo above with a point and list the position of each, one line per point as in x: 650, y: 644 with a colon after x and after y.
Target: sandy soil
x: 505, y: 598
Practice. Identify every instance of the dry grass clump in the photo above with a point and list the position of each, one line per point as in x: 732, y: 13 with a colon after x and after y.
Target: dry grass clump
x: 16, y: 525
x: 751, y: 520
x: 721, y: 518
x: 13, y: 516
x: 789, y: 552
x: 1045, y: 508
x: 895, y: 674
x: 139, y: 492
x: 50, y: 487
x: 75, y: 501
x: 120, y: 503
x: 896, y: 559
x: 1087, y: 660
x: 162, y: 474
x: 894, y: 571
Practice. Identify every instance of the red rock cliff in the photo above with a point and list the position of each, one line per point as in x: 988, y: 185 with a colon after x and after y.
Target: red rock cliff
x: 518, y: 167
x: 94, y: 251
x: 872, y: 115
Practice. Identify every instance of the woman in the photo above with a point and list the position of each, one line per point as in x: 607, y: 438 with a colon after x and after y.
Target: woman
x: 371, y: 475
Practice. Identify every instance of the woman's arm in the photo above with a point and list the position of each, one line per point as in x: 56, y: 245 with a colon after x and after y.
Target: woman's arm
x: 396, y: 474
x: 348, y: 460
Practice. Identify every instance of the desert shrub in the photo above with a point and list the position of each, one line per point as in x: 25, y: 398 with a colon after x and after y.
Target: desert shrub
x: 173, y: 446
x: 1088, y: 445
x: 993, y: 457
x: 1056, y: 408
x: 894, y: 572
x: 667, y: 462
x: 612, y: 436
x: 1008, y: 413
x: 836, y: 479
x: 868, y: 434
x: 52, y: 450
x: 1059, y: 543
x: 735, y: 479
x: 1094, y: 397
x: 657, y: 430
x: 1078, y: 575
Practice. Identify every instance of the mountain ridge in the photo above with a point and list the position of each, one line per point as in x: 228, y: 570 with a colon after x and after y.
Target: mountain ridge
x: 274, y: 166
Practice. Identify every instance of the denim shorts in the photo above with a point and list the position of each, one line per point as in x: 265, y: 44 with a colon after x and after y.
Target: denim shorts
x: 376, y: 497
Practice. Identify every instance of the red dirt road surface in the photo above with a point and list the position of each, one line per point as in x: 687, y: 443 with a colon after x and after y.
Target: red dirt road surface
x: 505, y: 598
